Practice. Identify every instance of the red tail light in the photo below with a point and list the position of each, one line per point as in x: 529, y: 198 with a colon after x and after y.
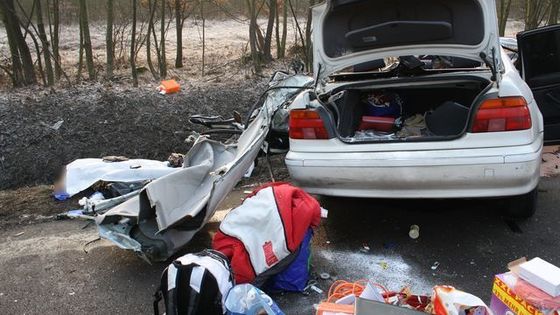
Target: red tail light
x: 307, y: 124
x: 502, y: 114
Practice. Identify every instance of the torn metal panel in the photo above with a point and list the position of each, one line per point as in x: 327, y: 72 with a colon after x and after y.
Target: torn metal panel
x: 83, y: 173
x: 170, y: 210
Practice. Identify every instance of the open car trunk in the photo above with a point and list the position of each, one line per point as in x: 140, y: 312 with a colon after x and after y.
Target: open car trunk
x: 405, y: 112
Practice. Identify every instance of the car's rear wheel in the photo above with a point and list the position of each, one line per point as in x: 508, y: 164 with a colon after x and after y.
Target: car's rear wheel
x: 523, y: 206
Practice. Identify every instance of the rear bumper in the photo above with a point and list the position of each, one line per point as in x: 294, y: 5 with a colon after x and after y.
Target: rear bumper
x: 486, y: 172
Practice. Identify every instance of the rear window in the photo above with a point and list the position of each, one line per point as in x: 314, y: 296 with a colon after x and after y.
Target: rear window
x: 358, y: 25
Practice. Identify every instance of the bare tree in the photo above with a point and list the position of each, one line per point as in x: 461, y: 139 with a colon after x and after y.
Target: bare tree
x: 503, y: 14
x: 109, y: 39
x: 179, y: 30
x: 152, y: 10
x: 22, y: 72
x: 269, y: 28
x: 535, y: 12
x: 299, y: 32
x: 55, y: 38
x: 29, y: 28
x: 133, y: 46
x: 163, y: 59
x: 203, y: 35
x: 44, y: 43
x: 81, y: 52
x: 84, y: 23
x: 282, y: 48
x: 554, y: 12
x: 277, y: 28
x: 309, y: 49
x: 253, y: 27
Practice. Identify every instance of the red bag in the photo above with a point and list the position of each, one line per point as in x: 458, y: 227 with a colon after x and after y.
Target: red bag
x: 377, y: 123
x: 267, y: 228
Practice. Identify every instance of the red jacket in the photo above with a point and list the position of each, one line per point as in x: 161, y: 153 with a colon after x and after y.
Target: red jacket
x: 269, y: 225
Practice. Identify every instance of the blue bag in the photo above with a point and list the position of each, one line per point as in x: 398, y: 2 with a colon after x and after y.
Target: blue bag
x: 383, y: 105
x: 294, y: 278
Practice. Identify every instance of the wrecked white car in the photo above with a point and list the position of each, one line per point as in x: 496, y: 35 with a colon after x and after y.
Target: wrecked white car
x: 168, y: 211
x: 417, y: 99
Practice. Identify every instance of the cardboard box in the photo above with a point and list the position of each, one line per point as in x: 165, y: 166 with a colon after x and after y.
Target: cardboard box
x: 326, y: 308
x: 542, y: 275
x: 506, y: 302
x: 368, y: 307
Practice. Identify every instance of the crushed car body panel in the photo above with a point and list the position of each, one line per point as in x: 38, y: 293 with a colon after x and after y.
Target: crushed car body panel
x: 170, y: 210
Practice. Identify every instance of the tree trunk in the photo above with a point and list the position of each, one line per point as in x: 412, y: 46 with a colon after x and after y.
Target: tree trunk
x: 81, y: 52
x: 22, y: 63
x: 87, y: 39
x: 152, y: 10
x: 535, y: 11
x: 37, y: 48
x: 503, y: 15
x: 156, y: 45
x: 109, y: 39
x: 299, y: 31
x: 554, y: 12
x: 309, y: 51
x: 44, y: 43
x: 133, y: 46
x: 284, y: 29
x: 163, y: 59
x: 17, y: 70
x: 269, y: 28
x: 203, y: 35
x: 55, y: 38
x: 277, y: 29
x: 179, y: 30
x: 29, y: 26
x: 251, y: 5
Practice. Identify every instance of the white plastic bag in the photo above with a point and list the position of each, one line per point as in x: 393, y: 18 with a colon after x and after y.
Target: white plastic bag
x: 245, y: 299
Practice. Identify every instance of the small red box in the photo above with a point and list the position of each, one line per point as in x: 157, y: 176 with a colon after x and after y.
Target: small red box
x: 377, y: 123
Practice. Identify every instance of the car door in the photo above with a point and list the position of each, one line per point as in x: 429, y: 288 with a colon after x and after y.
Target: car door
x: 539, y: 52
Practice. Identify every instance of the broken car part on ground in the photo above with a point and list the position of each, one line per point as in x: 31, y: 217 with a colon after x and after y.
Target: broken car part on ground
x: 166, y: 213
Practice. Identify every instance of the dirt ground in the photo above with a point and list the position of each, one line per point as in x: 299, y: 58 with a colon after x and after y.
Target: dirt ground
x: 53, y: 267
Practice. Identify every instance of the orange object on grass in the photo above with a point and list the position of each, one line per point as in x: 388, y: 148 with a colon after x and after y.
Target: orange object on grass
x: 169, y: 87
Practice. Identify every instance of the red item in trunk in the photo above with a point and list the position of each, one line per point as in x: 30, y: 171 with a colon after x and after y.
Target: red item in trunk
x: 377, y: 123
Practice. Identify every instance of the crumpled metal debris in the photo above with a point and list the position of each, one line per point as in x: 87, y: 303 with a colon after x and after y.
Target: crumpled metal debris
x: 171, y: 209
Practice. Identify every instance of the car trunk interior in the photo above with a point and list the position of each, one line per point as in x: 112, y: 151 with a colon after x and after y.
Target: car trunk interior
x: 404, y: 112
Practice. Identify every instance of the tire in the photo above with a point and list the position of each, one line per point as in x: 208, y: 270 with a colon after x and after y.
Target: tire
x: 523, y: 206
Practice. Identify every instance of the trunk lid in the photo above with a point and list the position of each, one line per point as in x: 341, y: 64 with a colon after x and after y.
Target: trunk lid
x: 352, y: 32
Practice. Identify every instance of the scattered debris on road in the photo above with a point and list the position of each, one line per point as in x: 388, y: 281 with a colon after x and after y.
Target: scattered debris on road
x: 435, y: 265
x: 414, y: 232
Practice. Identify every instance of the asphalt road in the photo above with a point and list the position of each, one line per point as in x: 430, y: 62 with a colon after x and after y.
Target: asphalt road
x: 45, y: 270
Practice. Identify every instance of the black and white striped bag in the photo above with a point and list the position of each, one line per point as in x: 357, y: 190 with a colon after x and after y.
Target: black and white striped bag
x: 195, y: 284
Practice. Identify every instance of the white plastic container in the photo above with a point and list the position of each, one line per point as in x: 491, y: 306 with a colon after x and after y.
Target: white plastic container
x: 542, y: 275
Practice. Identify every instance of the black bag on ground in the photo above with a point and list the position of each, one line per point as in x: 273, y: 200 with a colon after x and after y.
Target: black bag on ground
x: 195, y: 284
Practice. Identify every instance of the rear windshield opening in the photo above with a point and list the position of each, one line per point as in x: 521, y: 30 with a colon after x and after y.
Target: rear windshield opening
x: 358, y: 25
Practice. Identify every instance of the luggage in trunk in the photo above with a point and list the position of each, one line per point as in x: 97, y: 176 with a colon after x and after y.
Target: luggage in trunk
x: 405, y: 113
